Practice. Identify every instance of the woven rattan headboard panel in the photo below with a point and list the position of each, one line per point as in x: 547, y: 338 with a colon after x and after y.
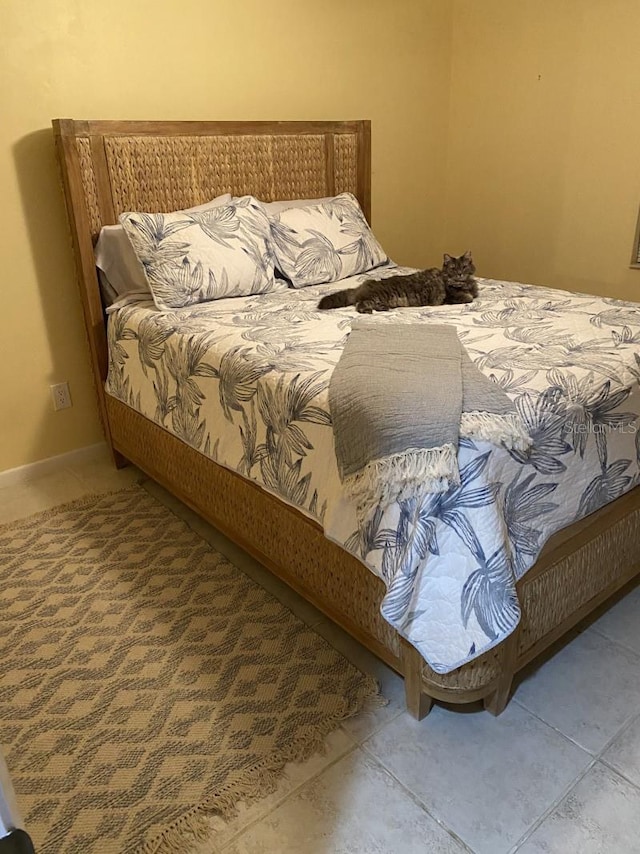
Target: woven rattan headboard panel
x: 109, y: 167
x: 164, y: 166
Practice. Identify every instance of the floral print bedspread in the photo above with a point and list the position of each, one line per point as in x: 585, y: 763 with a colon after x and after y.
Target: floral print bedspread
x: 245, y: 382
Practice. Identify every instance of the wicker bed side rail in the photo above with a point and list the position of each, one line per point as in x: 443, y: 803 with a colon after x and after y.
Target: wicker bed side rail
x: 572, y: 577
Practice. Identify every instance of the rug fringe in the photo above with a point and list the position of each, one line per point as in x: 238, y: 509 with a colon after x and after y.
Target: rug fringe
x: 371, y: 704
x: 194, y: 828
x: 190, y: 830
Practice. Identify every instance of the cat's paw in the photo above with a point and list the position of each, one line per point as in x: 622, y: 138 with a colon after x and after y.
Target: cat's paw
x: 362, y: 308
x: 458, y: 299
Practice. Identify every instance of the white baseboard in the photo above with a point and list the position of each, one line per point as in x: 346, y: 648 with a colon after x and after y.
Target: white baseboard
x: 21, y: 474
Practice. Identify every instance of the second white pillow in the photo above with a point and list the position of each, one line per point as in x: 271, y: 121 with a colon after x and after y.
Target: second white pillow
x: 324, y: 242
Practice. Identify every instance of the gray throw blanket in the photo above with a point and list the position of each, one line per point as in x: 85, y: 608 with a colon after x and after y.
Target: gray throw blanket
x: 400, y: 398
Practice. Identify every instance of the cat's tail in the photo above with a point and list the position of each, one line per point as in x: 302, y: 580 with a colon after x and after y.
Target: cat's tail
x: 339, y: 299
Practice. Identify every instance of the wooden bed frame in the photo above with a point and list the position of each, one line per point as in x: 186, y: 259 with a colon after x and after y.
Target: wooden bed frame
x: 109, y: 167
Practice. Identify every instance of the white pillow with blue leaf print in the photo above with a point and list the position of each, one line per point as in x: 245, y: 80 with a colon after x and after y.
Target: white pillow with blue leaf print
x: 324, y: 242
x: 196, y: 256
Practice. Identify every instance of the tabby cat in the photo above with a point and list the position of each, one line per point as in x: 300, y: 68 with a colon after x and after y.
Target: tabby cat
x: 453, y: 284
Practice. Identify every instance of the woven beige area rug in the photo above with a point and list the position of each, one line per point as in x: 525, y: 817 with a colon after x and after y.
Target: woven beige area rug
x: 145, y: 682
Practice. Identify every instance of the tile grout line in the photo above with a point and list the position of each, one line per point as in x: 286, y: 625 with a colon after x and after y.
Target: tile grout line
x: 554, y: 728
x: 595, y: 758
x: 600, y: 757
x: 556, y: 803
x: 619, y: 774
x: 626, y: 648
x: 625, y: 726
x: 83, y: 483
x: 361, y: 745
x: 413, y: 797
x: 598, y: 753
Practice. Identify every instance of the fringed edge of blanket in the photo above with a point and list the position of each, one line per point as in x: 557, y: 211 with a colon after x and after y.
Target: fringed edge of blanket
x: 413, y: 473
x: 508, y: 430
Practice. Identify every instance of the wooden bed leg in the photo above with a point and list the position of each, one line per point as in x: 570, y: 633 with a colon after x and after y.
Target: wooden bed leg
x: 119, y: 461
x: 418, y: 703
x: 496, y: 701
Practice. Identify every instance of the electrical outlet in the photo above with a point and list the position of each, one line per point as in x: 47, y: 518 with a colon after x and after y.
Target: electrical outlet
x: 61, y: 396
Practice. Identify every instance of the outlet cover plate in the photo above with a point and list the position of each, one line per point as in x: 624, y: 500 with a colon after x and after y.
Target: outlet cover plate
x: 61, y: 396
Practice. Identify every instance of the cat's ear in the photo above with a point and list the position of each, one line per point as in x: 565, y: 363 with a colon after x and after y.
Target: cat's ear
x: 447, y: 257
x: 467, y: 255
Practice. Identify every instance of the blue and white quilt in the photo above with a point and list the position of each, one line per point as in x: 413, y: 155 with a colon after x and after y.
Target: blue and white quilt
x: 245, y: 381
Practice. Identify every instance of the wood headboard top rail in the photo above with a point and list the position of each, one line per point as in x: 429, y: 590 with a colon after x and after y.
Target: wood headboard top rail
x: 87, y: 127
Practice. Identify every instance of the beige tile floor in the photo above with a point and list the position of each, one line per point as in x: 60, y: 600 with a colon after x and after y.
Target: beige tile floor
x: 558, y: 771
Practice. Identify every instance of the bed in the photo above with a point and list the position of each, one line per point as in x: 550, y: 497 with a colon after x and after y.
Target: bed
x: 112, y: 167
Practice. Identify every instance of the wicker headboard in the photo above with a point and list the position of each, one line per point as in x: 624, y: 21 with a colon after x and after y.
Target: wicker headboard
x: 109, y: 167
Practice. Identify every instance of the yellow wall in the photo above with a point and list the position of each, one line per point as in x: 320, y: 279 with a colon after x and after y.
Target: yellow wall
x: 210, y: 59
x: 543, y: 158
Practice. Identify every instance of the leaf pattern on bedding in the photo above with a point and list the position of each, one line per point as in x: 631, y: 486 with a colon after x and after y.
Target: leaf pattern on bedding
x: 191, y: 257
x: 245, y: 382
x: 324, y: 242
x: 524, y: 503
